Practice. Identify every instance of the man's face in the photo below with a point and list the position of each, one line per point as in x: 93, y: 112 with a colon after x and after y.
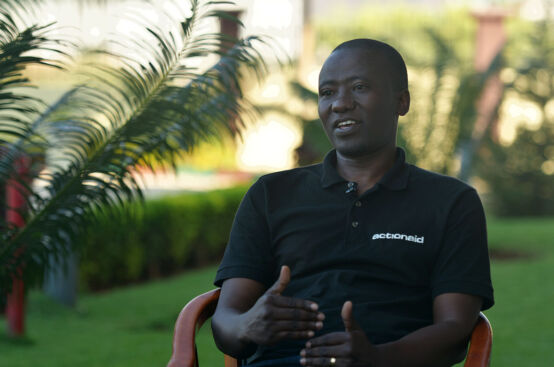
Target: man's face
x: 358, y: 104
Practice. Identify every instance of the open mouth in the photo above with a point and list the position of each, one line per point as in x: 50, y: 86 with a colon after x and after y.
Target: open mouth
x: 346, y: 125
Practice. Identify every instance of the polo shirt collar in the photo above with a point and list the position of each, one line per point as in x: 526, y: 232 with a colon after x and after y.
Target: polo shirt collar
x: 395, y: 179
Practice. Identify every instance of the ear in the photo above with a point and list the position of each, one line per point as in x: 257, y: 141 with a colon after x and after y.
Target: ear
x: 403, y: 102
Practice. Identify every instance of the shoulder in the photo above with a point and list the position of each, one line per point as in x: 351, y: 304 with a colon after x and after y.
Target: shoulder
x: 440, y: 191
x: 435, y: 182
x: 291, y: 177
x: 279, y: 188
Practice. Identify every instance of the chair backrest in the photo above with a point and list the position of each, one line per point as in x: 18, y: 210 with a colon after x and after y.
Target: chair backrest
x: 480, y: 344
x: 201, y: 308
x: 190, y: 320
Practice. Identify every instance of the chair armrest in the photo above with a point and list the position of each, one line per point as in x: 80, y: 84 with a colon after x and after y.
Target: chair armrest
x: 480, y: 344
x: 191, y: 318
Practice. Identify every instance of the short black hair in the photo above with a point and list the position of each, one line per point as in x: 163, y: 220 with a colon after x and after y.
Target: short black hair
x: 395, y: 62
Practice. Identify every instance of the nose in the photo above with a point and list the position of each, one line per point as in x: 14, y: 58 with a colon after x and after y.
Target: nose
x: 344, y: 101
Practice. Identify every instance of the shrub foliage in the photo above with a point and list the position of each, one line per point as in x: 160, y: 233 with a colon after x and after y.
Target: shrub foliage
x: 162, y: 237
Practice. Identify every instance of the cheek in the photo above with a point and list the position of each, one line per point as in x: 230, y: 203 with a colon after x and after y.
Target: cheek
x: 324, y: 122
x: 321, y: 110
x: 328, y: 134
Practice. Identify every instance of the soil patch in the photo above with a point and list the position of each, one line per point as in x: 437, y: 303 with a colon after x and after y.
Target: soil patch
x: 502, y: 254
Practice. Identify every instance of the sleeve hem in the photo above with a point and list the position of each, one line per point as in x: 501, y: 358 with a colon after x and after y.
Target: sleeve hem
x: 479, y: 289
x: 249, y: 272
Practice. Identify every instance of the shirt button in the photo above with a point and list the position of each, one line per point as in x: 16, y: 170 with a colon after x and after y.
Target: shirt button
x: 355, y: 224
x: 358, y: 203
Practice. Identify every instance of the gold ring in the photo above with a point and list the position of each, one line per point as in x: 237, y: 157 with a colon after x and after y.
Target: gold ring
x: 332, y: 361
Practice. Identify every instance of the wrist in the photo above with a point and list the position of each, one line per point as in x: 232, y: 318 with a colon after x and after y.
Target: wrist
x: 242, y: 333
x: 245, y: 344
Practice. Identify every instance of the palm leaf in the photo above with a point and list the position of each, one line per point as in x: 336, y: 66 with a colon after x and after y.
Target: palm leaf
x: 18, y: 108
x: 146, y: 112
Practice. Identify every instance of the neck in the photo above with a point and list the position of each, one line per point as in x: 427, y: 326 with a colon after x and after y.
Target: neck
x: 366, y: 170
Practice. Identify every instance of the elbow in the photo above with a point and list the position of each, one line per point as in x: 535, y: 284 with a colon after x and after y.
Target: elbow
x: 459, y: 353
x: 219, y: 335
x: 225, y: 338
x: 459, y: 350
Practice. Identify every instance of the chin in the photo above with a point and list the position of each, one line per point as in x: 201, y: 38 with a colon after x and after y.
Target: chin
x: 352, y: 151
x: 360, y: 150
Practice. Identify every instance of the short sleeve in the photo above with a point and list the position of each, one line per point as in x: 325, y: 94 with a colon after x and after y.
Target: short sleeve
x: 248, y: 252
x: 462, y: 264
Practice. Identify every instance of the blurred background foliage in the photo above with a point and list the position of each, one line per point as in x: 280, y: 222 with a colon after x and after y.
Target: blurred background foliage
x: 520, y: 176
x: 514, y: 175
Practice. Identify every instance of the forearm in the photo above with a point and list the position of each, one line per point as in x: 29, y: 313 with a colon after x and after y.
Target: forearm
x: 438, y: 345
x: 226, y: 326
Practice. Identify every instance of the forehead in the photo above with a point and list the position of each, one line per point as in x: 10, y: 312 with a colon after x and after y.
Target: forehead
x: 353, y: 63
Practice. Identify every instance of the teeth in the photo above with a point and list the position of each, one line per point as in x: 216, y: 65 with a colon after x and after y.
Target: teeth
x: 346, y: 123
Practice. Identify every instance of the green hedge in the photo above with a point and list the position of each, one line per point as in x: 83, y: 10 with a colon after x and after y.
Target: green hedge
x: 161, y: 237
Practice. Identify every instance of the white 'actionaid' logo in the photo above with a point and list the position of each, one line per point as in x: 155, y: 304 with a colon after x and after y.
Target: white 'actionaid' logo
x: 398, y: 236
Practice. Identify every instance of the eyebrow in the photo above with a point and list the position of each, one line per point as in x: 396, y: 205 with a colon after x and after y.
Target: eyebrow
x: 349, y: 79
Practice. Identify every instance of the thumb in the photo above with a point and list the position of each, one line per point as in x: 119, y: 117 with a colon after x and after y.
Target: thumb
x: 284, y: 278
x: 348, y: 318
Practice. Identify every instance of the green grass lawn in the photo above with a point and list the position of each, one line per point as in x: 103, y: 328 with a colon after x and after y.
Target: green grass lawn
x: 523, y: 316
x: 124, y: 327
x: 133, y: 326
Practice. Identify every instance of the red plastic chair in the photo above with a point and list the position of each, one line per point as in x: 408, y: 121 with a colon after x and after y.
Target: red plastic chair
x: 201, y: 308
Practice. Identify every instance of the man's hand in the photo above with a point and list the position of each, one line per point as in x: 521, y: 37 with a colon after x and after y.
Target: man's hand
x: 275, y: 317
x: 440, y: 344
x: 348, y: 348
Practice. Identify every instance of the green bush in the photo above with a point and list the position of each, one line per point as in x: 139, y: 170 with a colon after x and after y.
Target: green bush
x: 519, y: 185
x: 158, y: 238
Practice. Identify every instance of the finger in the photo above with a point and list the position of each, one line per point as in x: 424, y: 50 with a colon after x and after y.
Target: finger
x: 338, y: 350
x: 304, y: 313
x: 284, y: 278
x: 321, y: 362
x: 295, y: 304
x: 335, y: 338
x: 350, y: 323
x: 296, y: 325
x: 294, y: 334
x: 346, y: 314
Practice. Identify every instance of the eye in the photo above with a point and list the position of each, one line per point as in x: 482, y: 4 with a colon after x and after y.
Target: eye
x: 325, y: 92
x: 360, y: 86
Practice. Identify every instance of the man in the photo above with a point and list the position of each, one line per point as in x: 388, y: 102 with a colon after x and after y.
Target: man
x: 363, y: 260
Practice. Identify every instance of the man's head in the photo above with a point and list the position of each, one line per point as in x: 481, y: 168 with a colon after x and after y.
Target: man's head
x: 363, y: 88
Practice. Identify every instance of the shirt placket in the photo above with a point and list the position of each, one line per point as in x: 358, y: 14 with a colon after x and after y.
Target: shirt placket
x: 354, y: 225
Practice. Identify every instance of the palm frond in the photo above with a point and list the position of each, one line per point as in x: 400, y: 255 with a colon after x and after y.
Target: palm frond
x: 18, y: 108
x: 136, y: 112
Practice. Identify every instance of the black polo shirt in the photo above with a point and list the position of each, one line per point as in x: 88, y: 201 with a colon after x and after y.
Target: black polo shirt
x: 413, y: 236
